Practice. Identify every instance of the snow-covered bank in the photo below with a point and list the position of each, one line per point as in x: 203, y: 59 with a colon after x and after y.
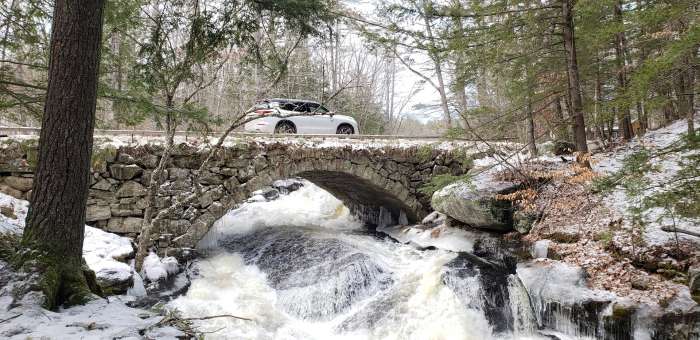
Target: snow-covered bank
x: 665, y: 167
x: 596, y: 232
x: 100, y: 319
x: 105, y: 253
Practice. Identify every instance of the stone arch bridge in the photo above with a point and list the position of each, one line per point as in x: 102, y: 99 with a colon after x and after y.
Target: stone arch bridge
x: 367, y: 177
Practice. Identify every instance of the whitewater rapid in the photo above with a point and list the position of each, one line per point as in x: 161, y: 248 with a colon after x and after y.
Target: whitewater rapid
x: 301, y: 267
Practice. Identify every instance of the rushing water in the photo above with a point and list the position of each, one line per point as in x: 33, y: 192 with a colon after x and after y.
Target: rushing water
x: 302, y: 268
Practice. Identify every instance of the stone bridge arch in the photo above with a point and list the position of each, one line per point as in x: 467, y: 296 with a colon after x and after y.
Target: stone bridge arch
x: 366, y: 179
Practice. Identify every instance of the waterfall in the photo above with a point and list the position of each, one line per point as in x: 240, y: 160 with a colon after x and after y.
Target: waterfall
x: 524, y: 319
x: 301, y: 267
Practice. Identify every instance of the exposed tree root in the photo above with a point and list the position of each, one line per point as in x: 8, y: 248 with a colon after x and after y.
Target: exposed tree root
x: 62, y: 281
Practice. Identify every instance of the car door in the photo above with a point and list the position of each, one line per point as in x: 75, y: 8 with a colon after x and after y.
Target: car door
x: 305, y: 124
x: 323, y: 123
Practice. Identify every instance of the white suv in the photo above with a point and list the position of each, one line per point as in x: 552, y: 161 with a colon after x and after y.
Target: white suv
x: 322, y: 122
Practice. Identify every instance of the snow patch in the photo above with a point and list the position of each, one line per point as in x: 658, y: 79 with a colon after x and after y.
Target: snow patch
x: 101, y: 250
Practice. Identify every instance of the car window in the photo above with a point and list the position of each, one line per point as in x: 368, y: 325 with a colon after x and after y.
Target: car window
x: 317, y: 108
x: 288, y: 106
x: 299, y: 107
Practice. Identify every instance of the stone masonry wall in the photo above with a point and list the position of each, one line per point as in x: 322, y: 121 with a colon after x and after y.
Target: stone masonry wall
x: 387, y: 176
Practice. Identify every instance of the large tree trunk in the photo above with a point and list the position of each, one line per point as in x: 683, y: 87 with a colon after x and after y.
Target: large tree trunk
x: 56, y: 219
x: 579, y: 124
x: 620, y: 55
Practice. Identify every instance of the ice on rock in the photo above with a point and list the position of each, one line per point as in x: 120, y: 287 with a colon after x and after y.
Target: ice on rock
x: 155, y: 268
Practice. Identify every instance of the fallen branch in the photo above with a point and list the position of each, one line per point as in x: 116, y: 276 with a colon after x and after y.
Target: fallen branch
x: 216, y: 317
x: 10, y: 318
x: 671, y: 229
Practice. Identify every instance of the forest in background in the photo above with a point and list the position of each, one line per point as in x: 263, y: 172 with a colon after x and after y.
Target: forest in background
x: 557, y: 70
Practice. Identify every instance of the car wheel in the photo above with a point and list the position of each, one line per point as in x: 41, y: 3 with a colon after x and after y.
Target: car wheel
x: 345, y: 130
x: 285, y: 127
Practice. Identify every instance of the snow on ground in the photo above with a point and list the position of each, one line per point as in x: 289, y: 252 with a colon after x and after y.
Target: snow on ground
x: 99, y: 319
x: 609, y: 162
x: 102, y: 250
x: 314, y: 141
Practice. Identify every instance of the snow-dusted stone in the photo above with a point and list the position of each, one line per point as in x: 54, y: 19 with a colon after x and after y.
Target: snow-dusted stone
x: 131, y: 189
x: 97, y: 213
x: 19, y: 183
x: 124, y: 172
x: 475, y: 203
x: 155, y: 268
x: 104, y: 253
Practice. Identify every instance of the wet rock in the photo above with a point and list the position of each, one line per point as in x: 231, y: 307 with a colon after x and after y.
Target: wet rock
x: 475, y: 203
x: 287, y: 186
x: 435, y: 219
x: 677, y: 325
x: 523, y: 221
x: 114, y: 284
x: 19, y: 183
x: 694, y: 282
x: 125, y: 172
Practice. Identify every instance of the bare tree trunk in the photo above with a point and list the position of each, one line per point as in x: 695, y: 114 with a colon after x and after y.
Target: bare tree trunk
x: 532, y: 147
x: 144, y: 242
x: 579, y: 123
x: 562, y: 128
x: 690, y: 93
x: 620, y: 53
x: 56, y: 219
x: 438, y: 68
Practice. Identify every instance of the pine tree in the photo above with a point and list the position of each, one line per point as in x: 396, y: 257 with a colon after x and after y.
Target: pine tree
x: 56, y: 219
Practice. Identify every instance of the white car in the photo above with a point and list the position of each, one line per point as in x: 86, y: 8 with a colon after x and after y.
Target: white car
x: 325, y: 123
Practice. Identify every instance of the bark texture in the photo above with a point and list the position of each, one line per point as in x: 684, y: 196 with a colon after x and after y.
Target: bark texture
x: 56, y: 219
x: 579, y: 125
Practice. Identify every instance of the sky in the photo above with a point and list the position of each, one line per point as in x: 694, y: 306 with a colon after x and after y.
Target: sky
x: 423, y: 100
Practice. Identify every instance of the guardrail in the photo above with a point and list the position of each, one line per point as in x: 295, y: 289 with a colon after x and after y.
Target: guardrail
x: 23, y: 131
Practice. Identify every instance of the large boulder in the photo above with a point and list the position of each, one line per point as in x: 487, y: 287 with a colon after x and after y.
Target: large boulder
x: 474, y: 203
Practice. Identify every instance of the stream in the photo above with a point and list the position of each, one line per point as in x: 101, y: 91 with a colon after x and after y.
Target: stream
x: 301, y: 267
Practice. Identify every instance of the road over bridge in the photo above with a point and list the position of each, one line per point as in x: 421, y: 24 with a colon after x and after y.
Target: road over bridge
x: 375, y: 177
